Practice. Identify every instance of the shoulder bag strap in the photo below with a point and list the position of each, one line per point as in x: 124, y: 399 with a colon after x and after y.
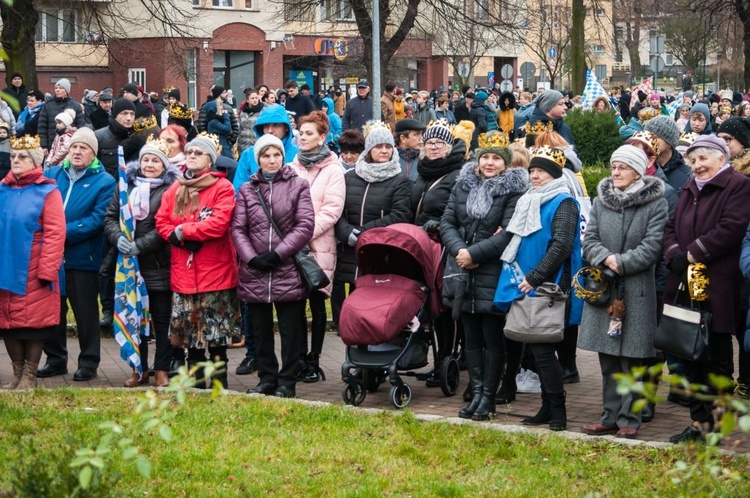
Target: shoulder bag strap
x: 268, y: 213
x: 424, y: 193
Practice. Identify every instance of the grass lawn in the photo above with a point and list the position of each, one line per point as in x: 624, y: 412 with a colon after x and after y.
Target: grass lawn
x: 248, y: 446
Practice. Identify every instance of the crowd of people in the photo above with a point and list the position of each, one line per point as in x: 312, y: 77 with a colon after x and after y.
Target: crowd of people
x: 224, y: 196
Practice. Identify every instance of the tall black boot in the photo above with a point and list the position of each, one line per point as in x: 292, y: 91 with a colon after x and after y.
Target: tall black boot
x: 474, y: 367
x: 558, y: 417
x: 492, y: 366
x: 544, y: 415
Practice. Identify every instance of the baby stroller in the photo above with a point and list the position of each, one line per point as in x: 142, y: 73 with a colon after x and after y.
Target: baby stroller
x: 386, y: 321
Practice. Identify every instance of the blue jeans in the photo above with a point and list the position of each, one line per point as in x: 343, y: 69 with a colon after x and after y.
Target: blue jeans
x: 247, y: 331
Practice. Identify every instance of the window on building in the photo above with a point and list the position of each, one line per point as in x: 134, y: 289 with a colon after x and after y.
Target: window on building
x: 57, y: 25
x: 137, y: 75
x: 598, y: 49
x: 482, y: 10
x: 600, y: 70
x: 192, y: 76
x: 248, y: 4
x: 336, y: 10
x: 598, y: 12
x: 669, y: 59
x: 222, y: 3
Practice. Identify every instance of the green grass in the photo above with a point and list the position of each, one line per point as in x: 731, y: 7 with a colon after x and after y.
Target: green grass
x: 243, y: 446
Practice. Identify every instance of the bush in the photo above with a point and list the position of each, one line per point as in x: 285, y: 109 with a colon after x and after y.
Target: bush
x: 596, y: 134
x: 593, y: 174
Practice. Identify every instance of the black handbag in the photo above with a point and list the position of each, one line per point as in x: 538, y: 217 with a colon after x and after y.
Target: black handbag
x: 682, y: 331
x: 310, y: 271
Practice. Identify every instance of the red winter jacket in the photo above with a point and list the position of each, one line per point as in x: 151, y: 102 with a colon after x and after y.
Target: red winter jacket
x: 40, y: 307
x: 288, y: 199
x: 213, y: 267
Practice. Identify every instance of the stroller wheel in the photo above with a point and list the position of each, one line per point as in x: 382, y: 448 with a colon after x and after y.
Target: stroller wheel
x: 450, y: 376
x: 400, y: 396
x: 354, y: 392
x: 371, y: 380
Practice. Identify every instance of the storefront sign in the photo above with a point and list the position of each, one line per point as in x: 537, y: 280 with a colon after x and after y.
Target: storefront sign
x: 341, y: 48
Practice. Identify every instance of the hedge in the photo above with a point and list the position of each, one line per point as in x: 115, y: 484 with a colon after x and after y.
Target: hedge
x: 595, y: 135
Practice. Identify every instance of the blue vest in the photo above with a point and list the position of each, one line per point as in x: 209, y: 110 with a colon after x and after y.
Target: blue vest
x: 20, y: 209
x: 531, y: 251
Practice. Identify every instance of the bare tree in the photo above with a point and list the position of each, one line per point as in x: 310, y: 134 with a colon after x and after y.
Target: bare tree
x: 549, y: 32
x: 628, y: 15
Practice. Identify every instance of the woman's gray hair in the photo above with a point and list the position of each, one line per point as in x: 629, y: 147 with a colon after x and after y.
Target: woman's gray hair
x: 715, y: 153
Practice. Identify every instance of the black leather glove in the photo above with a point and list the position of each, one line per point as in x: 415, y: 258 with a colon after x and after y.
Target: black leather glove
x: 174, y: 240
x: 45, y: 283
x: 267, y: 261
x: 192, y: 245
x: 679, y: 263
x: 431, y: 226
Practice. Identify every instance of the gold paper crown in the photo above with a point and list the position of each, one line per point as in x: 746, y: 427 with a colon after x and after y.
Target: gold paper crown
x: 144, y: 123
x: 725, y: 108
x: 371, y: 125
x: 493, y: 139
x: 181, y: 112
x: 557, y: 156
x: 697, y: 281
x: 168, y: 89
x: 25, y: 142
x: 687, y: 137
x: 213, y: 138
x: 440, y: 122
x: 539, y: 127
x: 648, y: 113
x: 648, y: 138
x: 159, y: 144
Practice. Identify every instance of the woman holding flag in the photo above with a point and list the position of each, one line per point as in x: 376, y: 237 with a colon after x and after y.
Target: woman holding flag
x: 142, y: 183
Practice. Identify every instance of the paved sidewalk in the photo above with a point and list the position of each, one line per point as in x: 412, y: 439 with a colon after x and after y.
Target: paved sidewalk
x: 583, y: 399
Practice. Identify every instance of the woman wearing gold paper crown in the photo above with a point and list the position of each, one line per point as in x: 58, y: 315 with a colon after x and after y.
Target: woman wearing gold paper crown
x: 194, y: 217
x: 624, y: 234
x: 148, y: 179
x: 32, y: 237
x: 708, y: 228
x: 545, y: 247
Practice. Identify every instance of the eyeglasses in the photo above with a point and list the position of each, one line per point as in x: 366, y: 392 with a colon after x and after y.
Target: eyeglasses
x: 19, y: 155
x: 434, y: 144
x: 620, y: 168
x: 194, y: 152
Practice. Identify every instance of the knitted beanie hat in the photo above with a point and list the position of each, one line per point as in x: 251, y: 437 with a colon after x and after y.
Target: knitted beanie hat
x: 738, y: 128
x: 438, y: 130
x: 174, y: 92
x: 377, y: 133
x: 665, y: 128
x: 481, y: 96
x: 216, y: 91
x: 120, y: 105
x: 85, y: 136
x: 65, y: 84
x: 205, y: 143
x: 709, y: 142
x: 632, y: 156
x: 551, y: 160
x: 66, y: 117
x: 158, y: 148
x: 266, y: 141
x: 547, y: 100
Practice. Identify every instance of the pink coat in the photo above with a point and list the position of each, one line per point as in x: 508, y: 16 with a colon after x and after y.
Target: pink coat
x: 328, y: 192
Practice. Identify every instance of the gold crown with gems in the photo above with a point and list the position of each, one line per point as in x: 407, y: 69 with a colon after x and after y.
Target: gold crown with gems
x: 181, y: 112
x: 647, y: 138
x: 539, y: 127
x: 26, y: 142
x: 493, y: 139
x: 159, y: 144
x: 168, y: 89
x: 144, y: 123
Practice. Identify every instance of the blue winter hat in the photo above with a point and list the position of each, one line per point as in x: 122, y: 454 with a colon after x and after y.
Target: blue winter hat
x: 480, y: 96
x: 703, y: 109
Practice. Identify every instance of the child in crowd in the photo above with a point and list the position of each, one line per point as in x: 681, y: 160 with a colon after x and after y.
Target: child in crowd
x: 64, y: 129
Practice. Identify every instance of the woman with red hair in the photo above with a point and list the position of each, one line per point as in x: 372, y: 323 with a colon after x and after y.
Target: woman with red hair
x: 176, y: 137
x: 316, y: 163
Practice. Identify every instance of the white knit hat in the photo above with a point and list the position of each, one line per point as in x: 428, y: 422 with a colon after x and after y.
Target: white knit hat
x: 266, y: 141
x: 632, y: 156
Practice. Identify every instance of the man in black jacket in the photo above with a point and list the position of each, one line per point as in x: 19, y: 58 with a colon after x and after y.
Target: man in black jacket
x: 18, y: 91
x: 119, y: 128
x: 359, y: 109
x: 296, y: 102
x: 100, y: 117
x: 61, y: 101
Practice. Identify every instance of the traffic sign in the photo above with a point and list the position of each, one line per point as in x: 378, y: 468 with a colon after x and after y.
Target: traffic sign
x: 552, y: 52
x: 506, y: 86
x: 506, y: 71
x: 656, y: 63
x: 528, y: 70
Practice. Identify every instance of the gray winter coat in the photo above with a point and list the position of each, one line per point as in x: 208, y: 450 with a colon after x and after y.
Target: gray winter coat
x: 459, y: 230
x: 632, y: 229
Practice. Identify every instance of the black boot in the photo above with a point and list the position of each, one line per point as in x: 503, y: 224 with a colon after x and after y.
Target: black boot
x: 507, y: 392
x: 312, y: 371
x: 474, y: 367
x: 543, y: 416
x: 492, y: 369
x: 558, y: 417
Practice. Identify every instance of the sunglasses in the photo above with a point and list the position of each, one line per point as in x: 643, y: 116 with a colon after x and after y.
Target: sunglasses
x: 194, y: 152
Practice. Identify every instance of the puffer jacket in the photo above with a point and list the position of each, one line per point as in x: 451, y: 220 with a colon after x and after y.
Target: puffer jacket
x: 431, y: 191
x: 210, y: 107
x: 335, y: 120
x: 479, y: 236
x: 288, y: 199
x: 40, y: 306
x: 369, y: 205
x: 247, y: 118
x: 47, y: 118
x: 214, y: 266
x: 85, y: 201
x: 110, y: 138
x: 154, y: 257
x: 328, y: 191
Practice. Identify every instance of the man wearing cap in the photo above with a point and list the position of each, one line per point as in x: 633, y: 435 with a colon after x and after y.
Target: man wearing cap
x: 215, y: 108
x: 669, y: 160
x: 100, y: 117
x: 550, y: 107
x: 359, y: 109
x: 131, y: 93
x: 87, y: 190
x: 299, y: 104
x: 55, y: 106
x: 387, y: 105
x: 409, y: 145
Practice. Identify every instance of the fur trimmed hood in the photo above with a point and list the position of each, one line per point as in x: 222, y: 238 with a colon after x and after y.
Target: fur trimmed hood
x: 170, y: 175
x: 483, y: 191
x: 653, y: 190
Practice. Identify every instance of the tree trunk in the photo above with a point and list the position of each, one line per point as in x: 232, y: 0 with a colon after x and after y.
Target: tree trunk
x: 19, y: 27
x: 743, y: 12
x: 577, y: 54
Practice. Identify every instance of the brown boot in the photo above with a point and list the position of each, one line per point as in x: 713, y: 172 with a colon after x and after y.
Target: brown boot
x: 17, y: 373
x: 28, y: 379
x: 134, y: 381
x: 162, y: 378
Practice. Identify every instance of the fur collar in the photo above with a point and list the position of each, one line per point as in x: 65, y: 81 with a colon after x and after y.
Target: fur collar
x: 741, y: 164
x: 170, y: 175
x: 653, y: 190
x: 483, y: 191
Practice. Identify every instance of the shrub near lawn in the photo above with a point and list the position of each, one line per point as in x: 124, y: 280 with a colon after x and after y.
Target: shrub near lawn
x: 593, y: 174
x: 596, y: 134
x: 252, y: 446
